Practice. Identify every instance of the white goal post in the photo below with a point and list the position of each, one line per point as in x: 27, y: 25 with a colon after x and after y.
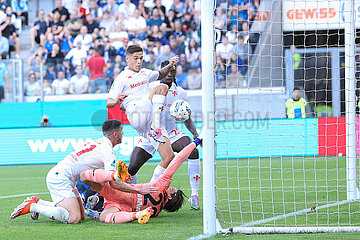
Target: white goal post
x: 264, y: 170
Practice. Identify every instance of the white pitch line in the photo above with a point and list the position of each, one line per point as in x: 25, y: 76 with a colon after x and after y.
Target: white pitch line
x: 22, y: 195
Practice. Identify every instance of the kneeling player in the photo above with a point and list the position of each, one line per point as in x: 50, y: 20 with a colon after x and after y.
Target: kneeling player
x: 123, y: 207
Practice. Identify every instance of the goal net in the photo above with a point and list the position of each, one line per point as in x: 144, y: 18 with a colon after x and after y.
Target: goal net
x: 286, y: 132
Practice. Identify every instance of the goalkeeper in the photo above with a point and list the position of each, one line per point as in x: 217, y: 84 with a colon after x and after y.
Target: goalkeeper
x: 121, y: 207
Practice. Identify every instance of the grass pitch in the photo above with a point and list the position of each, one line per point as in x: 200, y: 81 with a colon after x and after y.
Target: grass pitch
x: 18, y: 182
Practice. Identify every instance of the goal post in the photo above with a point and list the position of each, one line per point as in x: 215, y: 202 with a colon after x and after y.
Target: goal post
x: 270, y: 165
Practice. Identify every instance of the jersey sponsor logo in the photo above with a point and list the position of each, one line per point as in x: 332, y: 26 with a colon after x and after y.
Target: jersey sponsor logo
x: 167, y: 104
x: 139, y: 202
x: 86, y: 150
x: 138, y: 84
x: 311, y: 13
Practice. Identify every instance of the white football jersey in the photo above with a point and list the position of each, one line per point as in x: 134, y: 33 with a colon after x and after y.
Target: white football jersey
x: 174, y: 93
x: 135, y: 84
x: 92, y: 155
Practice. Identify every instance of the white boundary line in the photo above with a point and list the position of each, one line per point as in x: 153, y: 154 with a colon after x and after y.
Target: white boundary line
x: 22, y: 195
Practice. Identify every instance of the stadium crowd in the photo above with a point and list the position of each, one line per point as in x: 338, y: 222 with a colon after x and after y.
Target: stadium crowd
x: 67, y: 39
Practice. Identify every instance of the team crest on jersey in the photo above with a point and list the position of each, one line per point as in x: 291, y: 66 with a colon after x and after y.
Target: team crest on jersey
x: 129, y: 76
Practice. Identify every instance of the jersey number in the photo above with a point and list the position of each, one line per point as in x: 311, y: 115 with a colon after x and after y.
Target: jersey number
x: 153, y: 201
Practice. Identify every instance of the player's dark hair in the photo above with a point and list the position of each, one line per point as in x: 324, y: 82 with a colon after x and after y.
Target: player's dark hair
x: 110, y: 126
x: 176, y: 201
x: 296, y: 89
x: 133, y: 49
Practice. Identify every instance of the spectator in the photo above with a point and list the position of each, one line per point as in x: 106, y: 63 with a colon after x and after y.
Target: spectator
x: 181, y: 77
x: 232, y: 35
x: 179, y: 34
x: 192, y: 53
x: 35, y: 60
x: 193, y: 80
x: 117, y: 38
x: 83, y: 66
x: 159, y: 48
x: 150, y: 63
x: 155, y: 19
x: 67, y: 69
x: 9, y: 31
x: 194, y: 32
x: 187, y: 21
x: 67, y: 42
x: 55, y: 57
x: 234, y: 79
x: 38, y: 31
x: 160, y: 8
x: 20, y: 7
x: 51, y: 73
x: 224, y: 50
x: 128, y: 9
x: 144, y: 11
x: 70, y: 5
x: 177, y: 48
x: 109, y: 51
x: 47, y: 87
x: 245, y: 30
x: 76, y: 54
x: 112, y: 77
x: 154, y: 34
x: 169, y: 23
x: 32, y: 87
x: 113, y: 8
x: 80, y: 10
x: 166, y: 55
x: 242, y: 52
x: 242, y: 9
x: 79, y: 83
x: 192, y: 9
x: 49, y: 43
x: 108, y: 22
x: 56, y: 26
x: 96, y: 68
x: 295, y: 106
x: 92, y: 26
x: 95, y: 11
x: 3, y: 79
x: 136, y: 26
x: 13, y: 15
x: 45, y: 122
x: 84, y: 38
x: 64, y: 13
x: 74, y: 24
x: 184, y: 63
x: 4, y: 46
x: 61, y: 85
x: 220, y: 19
x: 179, y: 7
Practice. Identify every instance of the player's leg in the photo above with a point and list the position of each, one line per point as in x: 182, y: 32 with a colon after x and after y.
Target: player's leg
x: 157, y: 96
x: 114, y: 215
x: 137, y: 159
x: 194, y: 168
x: 167, y: 155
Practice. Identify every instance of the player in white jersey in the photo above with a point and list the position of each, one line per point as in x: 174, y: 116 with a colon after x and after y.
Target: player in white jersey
x: 143, y: 104
x: 144, y: 150
x: 61, y: 180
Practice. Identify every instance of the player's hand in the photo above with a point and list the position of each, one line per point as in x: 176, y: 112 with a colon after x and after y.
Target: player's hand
x: 147, y: 190
x: 121, y: 97
x: 173, y: 60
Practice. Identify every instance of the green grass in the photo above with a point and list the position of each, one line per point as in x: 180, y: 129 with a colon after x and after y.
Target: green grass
x: 187, y: 223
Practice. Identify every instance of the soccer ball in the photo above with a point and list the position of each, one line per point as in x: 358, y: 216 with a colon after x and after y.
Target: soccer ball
x: 180, y: 110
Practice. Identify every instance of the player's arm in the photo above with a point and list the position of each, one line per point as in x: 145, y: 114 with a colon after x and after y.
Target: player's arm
x: 191, y: 127
x: 130, y: 189
x: 165, y: 70
x: 113, y: 102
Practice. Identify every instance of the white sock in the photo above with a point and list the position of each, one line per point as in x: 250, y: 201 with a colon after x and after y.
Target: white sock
x: 56, y: 213
x: 157, y: 172
x: 194, y: 168
x: 134, y: 179
x: 158, y: 104
x: 46, y: 203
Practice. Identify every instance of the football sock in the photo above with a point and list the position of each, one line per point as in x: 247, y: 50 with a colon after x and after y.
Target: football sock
x: 194, y: 167
x: 56, y: 213
x: 157, y: 172
x: 100, y: 176
x: 158, y: 104
x: 134, y: 179
x: 121, y: 217
x: 46, y: 203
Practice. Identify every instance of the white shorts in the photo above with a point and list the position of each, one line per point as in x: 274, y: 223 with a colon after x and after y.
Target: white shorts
x: 143, y: 143
x: 60, y: 186
x: 139, y: 114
